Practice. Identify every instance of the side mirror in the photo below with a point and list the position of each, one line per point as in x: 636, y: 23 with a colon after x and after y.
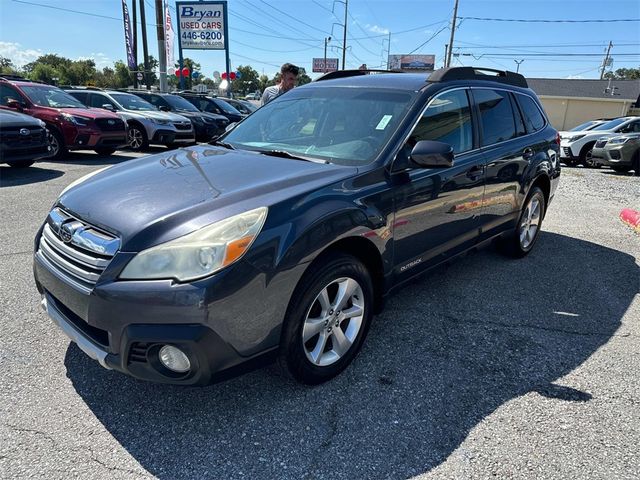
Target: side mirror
x: 163, y: 108
x: 14, y: 104
x: 432, y: 154
x: 108, y: 106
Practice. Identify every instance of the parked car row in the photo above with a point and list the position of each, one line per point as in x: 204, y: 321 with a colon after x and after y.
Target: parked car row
x: 592, y: 144
x: 89, y: 118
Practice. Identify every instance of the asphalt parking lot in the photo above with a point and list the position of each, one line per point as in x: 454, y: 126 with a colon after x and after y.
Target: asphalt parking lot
x: 484, y: 368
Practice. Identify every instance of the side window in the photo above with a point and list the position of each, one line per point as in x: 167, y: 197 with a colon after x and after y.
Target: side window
x: 448, y: 120
x: 496, y: 116
x: 630, y: 127
x: 7, y: 93
x: 517, y: 115
x: 533, y: 118
x: 81, y: 96
x: 97, y: 101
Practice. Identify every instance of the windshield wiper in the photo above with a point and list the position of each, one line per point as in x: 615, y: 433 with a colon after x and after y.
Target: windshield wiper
x: 223, y: 144
x: 283, y: 154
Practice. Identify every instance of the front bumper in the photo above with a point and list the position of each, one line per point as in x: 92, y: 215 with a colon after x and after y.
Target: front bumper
x: 83, y: 138
x: 567, y: 152
x: 15, y: 154
x: 610, y: 157
x: 169, y: 137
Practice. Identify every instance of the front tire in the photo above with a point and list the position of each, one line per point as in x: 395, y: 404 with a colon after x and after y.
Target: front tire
x: 327, y: 320
x: 137, y: 137
x: 21, y: 163
x: 521, y: 241
x: 56, y: 141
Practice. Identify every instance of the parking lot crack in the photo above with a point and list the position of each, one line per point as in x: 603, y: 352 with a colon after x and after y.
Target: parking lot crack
x: 29, y: 252
x: 538, y: 327
x: 15, y: 428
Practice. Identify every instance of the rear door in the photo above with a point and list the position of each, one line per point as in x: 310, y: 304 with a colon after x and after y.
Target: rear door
x: 507, y: 150
x: 438, y: 209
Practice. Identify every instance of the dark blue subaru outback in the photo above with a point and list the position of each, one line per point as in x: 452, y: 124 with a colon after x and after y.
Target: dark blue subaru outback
x: 283, y: 237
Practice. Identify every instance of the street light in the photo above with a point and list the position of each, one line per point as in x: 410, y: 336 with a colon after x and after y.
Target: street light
x: 324, y: 65
x: 518, y: 63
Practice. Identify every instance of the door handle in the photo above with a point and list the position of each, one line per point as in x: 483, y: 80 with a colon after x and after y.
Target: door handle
x: 527, y: 153
x: 475, y: 172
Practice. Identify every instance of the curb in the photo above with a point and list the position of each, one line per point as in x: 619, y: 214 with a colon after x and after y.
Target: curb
x: 631, y: 218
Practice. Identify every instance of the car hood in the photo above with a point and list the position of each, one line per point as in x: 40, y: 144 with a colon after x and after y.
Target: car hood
x: 9, y: 118
x: 584, y: 132
x: 160, y: 197
x: 212, y: 116
x: 87, y: 112
x: 157, y: 115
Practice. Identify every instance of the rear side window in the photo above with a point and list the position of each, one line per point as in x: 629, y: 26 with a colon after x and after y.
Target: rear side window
x: 496, y: 114
x: 97, y: 100
x: 82, y: 96
x: 7, y: 93
x: 533, y: 118
x: 448, y: 120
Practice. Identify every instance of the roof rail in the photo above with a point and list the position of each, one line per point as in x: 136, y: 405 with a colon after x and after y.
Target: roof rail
x: 352, y: 73
x: 80, y: 87
x: 476, y: 73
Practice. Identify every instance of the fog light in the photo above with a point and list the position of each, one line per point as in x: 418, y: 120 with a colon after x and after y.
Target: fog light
x: 174, y: 359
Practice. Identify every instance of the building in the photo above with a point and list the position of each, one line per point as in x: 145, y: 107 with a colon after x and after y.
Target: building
x: 570, y: 102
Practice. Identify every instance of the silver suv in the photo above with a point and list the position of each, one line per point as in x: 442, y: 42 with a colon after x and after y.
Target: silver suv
x: 147, y: 125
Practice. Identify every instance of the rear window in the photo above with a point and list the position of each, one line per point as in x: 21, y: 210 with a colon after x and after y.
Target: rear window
x: 611, y: 125
x: 533, y: 118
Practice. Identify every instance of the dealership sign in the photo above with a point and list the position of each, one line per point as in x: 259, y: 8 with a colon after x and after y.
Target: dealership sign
x: 202, y: 25
x: 319, y: 66
x: 412, y: 63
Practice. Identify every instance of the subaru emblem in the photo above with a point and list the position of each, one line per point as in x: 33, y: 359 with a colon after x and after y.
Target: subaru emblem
x: 25, y: 131
x: 67, y: 230
x: 111, y: 122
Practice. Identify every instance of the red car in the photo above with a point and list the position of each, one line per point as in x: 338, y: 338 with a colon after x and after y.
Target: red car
x: 71, y: 125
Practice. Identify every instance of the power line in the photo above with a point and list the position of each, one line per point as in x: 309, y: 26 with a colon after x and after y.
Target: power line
x: 278, y: 21
x: 429, y: 39
x: 78, y: 12
x: 522, y: 20
x: 294, y: 18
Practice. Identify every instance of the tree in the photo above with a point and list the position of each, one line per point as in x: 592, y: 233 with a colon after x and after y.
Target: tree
x: 123, y: 78
x: 303, y: 78
x: 188, y: 81
x: 44, y: 73
x: 7, y: 67
x: 106, y: 78
x: 248, y: 81
x: 153, y: 66
x: 624, y: 74
x: 263, y: 82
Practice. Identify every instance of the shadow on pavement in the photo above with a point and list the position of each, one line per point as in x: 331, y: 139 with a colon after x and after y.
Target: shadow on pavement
x: 91, y: 158
x: 13, y: 177
x: 447, y: 351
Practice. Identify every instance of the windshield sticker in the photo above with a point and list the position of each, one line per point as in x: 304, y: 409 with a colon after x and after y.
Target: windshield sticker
x: 384, y: 121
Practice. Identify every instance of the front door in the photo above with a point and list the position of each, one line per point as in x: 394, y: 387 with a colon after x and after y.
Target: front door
x: 438, y: 209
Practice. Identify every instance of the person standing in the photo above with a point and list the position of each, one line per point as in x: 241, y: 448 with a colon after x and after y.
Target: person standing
x: 288, y: 76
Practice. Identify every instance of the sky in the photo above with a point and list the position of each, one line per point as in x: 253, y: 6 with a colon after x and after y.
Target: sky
x: 266, y: 34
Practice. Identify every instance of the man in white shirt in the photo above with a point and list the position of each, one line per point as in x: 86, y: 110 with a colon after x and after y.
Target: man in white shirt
x: 288, y: 76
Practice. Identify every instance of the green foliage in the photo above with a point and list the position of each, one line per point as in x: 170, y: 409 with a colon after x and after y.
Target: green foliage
x: 624, y: 74
x: 44, y: 73
x: 248, y: 81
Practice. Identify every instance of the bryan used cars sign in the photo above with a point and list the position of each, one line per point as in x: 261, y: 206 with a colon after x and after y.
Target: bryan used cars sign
x: 202, y: 25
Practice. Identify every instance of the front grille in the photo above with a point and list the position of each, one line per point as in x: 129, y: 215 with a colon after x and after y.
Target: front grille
x: 566, y: 151
x: 75, y: 249
x: 12, y: 137
x: 138, y: 353
x: 182, y: 126
x: 110, y: 124
x: 184, y: 136
x: 614, y: 154
x: 601, y: 143
x: 114, y: 141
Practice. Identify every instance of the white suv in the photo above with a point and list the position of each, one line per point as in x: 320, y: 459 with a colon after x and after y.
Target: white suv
x: 575, y: 147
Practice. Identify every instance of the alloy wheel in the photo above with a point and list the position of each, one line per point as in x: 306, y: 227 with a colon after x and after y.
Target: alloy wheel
x: 530, y: 223
x: 333, y: 321
x: 53, y: 142
x: 135, y: 138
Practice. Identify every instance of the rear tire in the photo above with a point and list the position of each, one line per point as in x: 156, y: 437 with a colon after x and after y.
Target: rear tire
x: 327, y: 320
x: 520, y: 241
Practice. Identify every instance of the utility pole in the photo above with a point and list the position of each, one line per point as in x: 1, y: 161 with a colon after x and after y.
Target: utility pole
x: 344, y: 38
x: 518, y: 63
x: 324, y: 65
x: 144, y: 45
x: 388, y: 49
x: 444, y: 61
x: 135, y: 42
x: 162, y: 61
x: 605, y: 61
x: 453, y: 31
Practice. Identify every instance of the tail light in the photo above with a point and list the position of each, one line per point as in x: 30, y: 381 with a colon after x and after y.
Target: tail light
x: 558, y: 138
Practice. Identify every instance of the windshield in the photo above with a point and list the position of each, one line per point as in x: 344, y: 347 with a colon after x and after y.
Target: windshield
x: 611, y: 124
x: 584, y: 126
x: 225, y: 107
x: 132, y: 102
x: 180, y: 103
x: 47, y: 96
x: 239, y: 106
x: 346, y: 126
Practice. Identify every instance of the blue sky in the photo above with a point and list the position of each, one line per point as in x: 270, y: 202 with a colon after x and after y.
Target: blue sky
x: 265, y: 34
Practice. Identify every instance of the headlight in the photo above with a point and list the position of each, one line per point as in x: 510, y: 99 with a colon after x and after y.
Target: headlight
x: 618, y: 141
x: 41, y: 123
x: 81, y: 121
x: 200, y: 253
x: 577, y: 137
